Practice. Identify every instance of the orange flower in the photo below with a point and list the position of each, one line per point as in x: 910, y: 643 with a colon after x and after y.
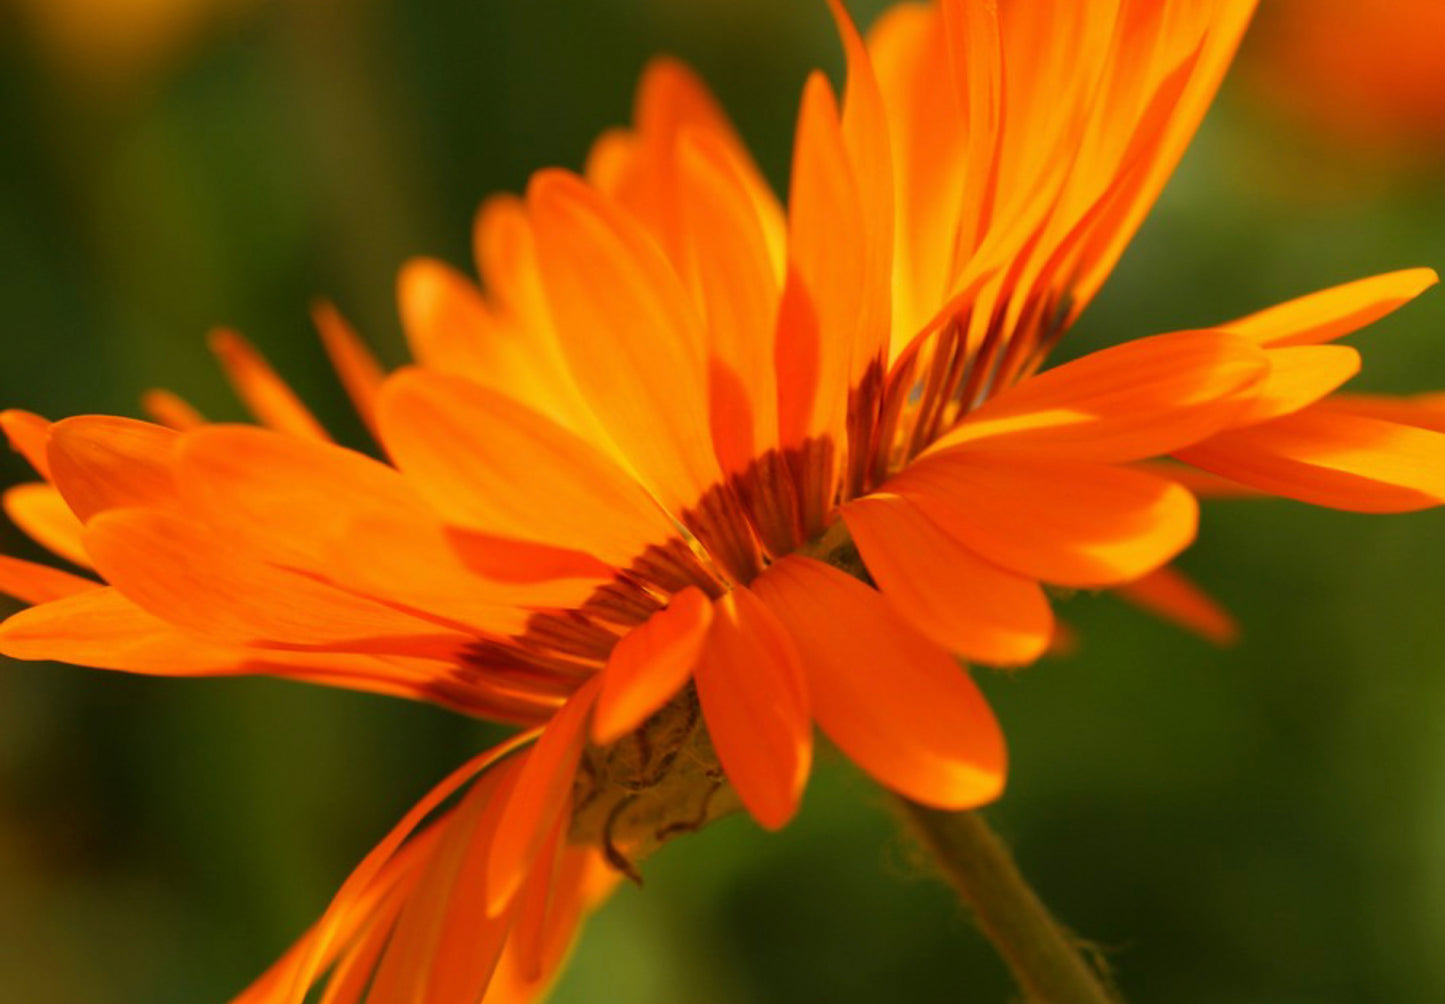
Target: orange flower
x: 1367, y: 74
x: 641, y: 490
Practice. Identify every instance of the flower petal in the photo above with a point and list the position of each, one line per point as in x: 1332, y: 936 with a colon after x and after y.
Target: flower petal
x: 1129, y: 402
x: 753, y: 695
x: 1168, y: 593
x: 358, y: 369
x: 99, y: 462
x: 542, y: 794
x: 29, y: 435
x: 893, y: 701
x: 1075, y: 524
x: 650, y: 664
x: 1298, y: 377
x: 632, y: 340
x: 33, y: 583
x: 1335, y: 312
x: 38, y: 509
x: 487, y: 462
x: 960, y: 601
x: 1333, y: 459
x: 266, y: 395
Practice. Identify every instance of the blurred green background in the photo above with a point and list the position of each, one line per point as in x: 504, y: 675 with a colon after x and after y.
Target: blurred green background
x: 1264, y: 824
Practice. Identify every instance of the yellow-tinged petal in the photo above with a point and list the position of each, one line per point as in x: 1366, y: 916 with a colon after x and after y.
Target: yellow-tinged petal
x: 98, y: 462
x: 170, y: 410
x: 1299, y: 376
x: 489, y: 463
x: 967, y: 605
x: 892, y: 700
x: 754, y: 696
x: 38, y: 509
x: 264, y: 393
x: 1335, y: 312
x: 1334, y: 459
x: 1071, y: 523
x: 650, y: 665
x: 633, y: 341
x: 1129, y: 402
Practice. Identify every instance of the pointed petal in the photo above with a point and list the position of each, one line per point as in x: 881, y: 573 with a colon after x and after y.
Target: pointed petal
x: 632, y: 340
x: 1335, y: 312
x: 650, y: 665
x: 1333, y: 459
x: 1129, y: 402
x: 893, y: 701
x: 969, y: 606
x: 358, y: 369
x: 29, y: 582
x: 171, y: 410
x: 266, y: 395
x: 489, y: 463
x: 1168, y: 593
x: 38, y: 509
x: 542, y: 794
x: 753, y: 695
x: 29, y: 434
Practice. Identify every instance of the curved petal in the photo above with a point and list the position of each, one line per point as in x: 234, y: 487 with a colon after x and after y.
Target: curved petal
x: 38, y: 509
x: 1335, y: 312
x: 356, y: 367
x: 99, y: 462
x: 29, y: 582
x: 633, y: 341
x: 1129, y: 402
x: 487, y: 462
x: 754, y: 697
x: 650, y: 664
x: 1168, y: 593
x: 1075, y: 524
x: 1298, y: 377
x: 893, y: 701
x: 965, y: 604
x: 266, y: 395
x: 29, y: 435
x: 1333, y: 459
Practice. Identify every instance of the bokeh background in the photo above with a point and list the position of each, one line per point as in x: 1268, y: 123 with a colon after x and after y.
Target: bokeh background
x: 1261, y: 824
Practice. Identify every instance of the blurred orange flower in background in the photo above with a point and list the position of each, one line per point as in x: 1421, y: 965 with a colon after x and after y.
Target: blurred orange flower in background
x: 691, y: 473
x: 1368, y: 75
x: 108, y: 42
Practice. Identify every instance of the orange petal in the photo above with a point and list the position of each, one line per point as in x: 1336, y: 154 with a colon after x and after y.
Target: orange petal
x: 1132, y: 401
x: 542, y: 795
x: 29, y: 434
x: 893, y: 701
x: 203, y: 582
x: 1168, y: 593
x: 963, y: 603
x: 171, y: 410
x: 1332, y: 459
x: 487, y: 462
x: 755, y: 700
x: 265, y: 394
x: 827, y: 248
x: 358, y: 369
x: 99, y: 462
x: 305, y: 504
x: 33, y: 583
x: 632, y: 340
x: 1298, y: 377
x: 1424, y: 411
x: 1064, y: 522
x: 650, y: 665
x: 1335, y: 312
x: 38, y: 509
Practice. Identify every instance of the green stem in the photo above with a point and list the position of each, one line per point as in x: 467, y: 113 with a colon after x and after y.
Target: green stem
x: 1045, y: 960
